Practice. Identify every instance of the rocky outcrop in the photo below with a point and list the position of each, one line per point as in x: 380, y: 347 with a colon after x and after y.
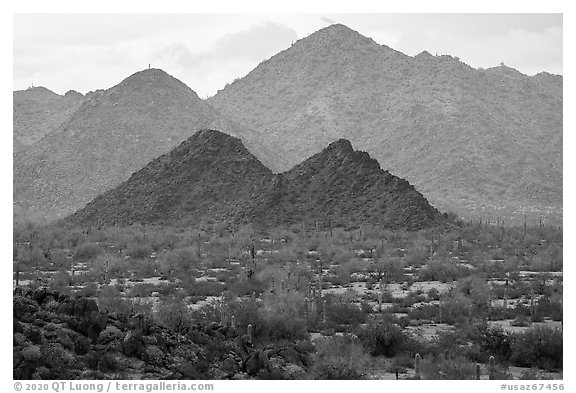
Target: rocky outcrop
x: 70, y: 338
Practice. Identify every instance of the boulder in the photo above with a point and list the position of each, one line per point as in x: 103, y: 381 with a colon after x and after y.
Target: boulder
x: 153, y: 355
x: 84, y: 308
x: 257, y: 361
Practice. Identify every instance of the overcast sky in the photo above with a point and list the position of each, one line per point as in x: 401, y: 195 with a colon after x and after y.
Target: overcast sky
x: 91, y: 51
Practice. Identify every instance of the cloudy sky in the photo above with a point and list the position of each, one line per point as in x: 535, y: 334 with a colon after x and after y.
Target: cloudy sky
x: 90, y: 51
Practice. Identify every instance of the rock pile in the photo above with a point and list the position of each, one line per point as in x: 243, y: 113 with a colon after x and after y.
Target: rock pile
x: 61, y: 337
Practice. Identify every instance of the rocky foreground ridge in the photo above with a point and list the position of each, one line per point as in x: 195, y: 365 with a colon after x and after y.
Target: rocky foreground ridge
x: 61, y: 337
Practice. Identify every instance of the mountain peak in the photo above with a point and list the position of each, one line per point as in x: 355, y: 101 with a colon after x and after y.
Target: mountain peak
x: 37, y: 92
x: 341, y: 145
x: 73, y: 94
x: 216, y: 137
x: 424, y: 55
x: 338, y: 34
x: 339, y: 28
x: 153, y: 77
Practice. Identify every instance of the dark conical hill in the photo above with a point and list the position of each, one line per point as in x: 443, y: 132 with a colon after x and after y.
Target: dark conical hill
x: 212, y: 178
x: 209, y: 177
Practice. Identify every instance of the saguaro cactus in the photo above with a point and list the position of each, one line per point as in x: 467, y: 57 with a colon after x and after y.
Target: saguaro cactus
x: 249, y: 333
x: 491, y: 368
x: 381, y: 288
x: 478, y: 371
x: 324, y: 312
x: 417, y: 366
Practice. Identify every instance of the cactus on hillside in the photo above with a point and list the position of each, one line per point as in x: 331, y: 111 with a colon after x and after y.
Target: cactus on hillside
x: 417, y: 366
x: 491, y: 369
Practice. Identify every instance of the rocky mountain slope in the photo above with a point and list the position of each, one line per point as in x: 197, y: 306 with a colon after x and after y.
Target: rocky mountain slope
x: 38, y: 112
x: 114, y: 133
x: 339, y: 186
x: 212, y: 178
x: 479, y: 142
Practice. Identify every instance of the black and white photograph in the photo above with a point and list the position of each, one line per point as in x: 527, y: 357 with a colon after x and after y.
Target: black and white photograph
x: 287, y: 196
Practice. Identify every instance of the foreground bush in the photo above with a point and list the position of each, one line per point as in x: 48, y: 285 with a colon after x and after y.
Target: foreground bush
x: 452, y: 369
x: 339, y: 357
x: 538, y: 347
x: 383, y: 338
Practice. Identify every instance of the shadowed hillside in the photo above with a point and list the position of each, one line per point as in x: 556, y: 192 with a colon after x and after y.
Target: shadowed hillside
x: 213, y: 178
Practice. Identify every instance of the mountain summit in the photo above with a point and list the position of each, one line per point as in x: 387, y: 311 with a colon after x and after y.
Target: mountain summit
x: 480, y: 142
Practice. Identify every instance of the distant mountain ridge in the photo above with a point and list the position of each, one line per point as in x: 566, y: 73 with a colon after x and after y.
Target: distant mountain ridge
x: 479, y: 142
x: 38, y: 111
x: 483, y: 143
x: 114, y: 133
x: 212, y: 178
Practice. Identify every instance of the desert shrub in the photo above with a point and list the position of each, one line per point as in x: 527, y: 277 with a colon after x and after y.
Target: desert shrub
x: 383, y: 338
x: 139, y: 250
x: 60, y: 281
x: 534, y: 374
x: 282, y: 327
x: 401, y: 363
x: 339, y: 357
x: 345, y: 313
x: 142, y: 290
x: 455, y: 308
x: 110, y: 299
x: 212, y: 312
x: 90, y: 289
x: 59, y: 258
x: 538, y: 347
x: 246, y: 287
x: 417, y: 255
x: 452, y: 369
x: 442, y: 270
x: 179, y: 261
x: 496, y: 342
x: 521, y: 321
x: 204, y: 288
x: 426, y: 311
x: 433, y: 294
x: 550, y: 259
x: 145, y: 267
x: 87, y: 251
x: 173, y: 314
x: 475, y: 288
x: 247, y: 312
x: 547, y: 308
